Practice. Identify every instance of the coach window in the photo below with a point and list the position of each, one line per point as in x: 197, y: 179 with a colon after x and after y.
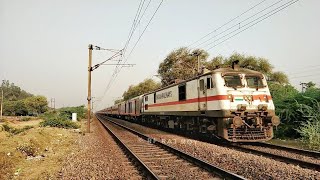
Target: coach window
x: 182, y: 92
x: 201, y: 85
x: 146, y: 98
x: 154, y: 98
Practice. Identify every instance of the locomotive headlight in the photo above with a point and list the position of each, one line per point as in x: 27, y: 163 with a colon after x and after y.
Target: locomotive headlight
x: 262, y: 107
x: 275, y: 120
x: 265, y: 97
x: 230, y: 97
x: 237, y: 121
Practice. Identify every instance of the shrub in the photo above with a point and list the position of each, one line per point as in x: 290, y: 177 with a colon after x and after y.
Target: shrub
x: 13, y: 130
x: 310, y: 129
x: 29, y: 149
x: 59, y: 122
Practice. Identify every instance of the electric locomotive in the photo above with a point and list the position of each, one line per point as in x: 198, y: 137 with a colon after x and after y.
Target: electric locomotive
x: 232, y: 103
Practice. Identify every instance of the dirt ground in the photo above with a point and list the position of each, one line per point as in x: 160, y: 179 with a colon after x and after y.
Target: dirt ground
x: 36, y: 153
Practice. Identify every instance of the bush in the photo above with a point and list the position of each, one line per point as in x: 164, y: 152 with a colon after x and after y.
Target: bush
x: 13, y: 130
x: 30, y: 148
x: 310, y: 129
x: 59, y: 122
x: 67, y: 112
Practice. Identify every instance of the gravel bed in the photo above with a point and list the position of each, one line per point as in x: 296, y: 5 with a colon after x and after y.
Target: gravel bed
x: 284, y: 153
x: 98, y: 157
x: 245, y: 164
x: 164, y: 164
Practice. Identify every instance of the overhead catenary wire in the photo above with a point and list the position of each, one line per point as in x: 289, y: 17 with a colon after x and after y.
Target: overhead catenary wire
x: 144, y: 29
x: 287, y: 5
x: 117, y: 70
x: 238, y: 24
x: 246, y: 11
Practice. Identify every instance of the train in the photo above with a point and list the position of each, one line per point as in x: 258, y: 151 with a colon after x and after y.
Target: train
x: 231, y: 103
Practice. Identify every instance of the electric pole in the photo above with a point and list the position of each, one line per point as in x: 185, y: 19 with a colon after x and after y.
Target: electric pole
x: 89, y: 86
x: 92, y: 68
x: 1, y: 103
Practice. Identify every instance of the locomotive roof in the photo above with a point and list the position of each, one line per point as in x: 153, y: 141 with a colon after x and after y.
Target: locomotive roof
x: 219, y: 70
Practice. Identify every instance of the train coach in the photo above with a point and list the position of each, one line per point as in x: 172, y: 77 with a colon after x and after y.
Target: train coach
x: 232, y: 103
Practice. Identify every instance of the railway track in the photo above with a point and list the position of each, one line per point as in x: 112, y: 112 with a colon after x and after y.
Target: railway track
x: 309, y: 153
x: 303, y: 158
x: 161, y: 161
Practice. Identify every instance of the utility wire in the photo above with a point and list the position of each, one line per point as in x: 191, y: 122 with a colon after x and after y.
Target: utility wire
x: 226, y: 23
x: 144, y: 30
x: 238, y: 24
x: 295, y: 77
x: 288, y: 4
x: 117, y: 70
x: 133, y: 26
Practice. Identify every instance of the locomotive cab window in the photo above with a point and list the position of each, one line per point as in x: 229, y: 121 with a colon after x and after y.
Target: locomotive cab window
x: 254, y: 82
x: 182, y: 92
x: 233, y: 81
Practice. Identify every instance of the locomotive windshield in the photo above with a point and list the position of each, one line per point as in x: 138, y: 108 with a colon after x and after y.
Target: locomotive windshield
x: 254, y: 82
x: 233, y: 81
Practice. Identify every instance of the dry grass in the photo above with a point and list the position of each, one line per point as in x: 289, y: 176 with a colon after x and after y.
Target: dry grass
x: 6, y: 166
x: 36, y: 153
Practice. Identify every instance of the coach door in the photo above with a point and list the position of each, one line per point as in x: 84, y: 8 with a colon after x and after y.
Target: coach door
x: 202, y: 93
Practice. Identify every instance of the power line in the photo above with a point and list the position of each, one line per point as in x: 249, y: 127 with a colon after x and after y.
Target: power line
x: 239, y: 23
x: 133, y: 26
x: 226, y: 23
x: 295, y: 77
x: 117, y: 70
x: 305, y: 68
x: 144, y: 29
x: 292, y: 2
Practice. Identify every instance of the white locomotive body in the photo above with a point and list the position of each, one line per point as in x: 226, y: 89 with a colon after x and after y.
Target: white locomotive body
x: 232, y: 103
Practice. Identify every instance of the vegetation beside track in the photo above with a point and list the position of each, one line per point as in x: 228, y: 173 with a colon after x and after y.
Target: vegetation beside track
x: 28, y: 151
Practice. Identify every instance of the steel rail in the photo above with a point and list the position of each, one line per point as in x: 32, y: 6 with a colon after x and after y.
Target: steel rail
x: 301, y: 163
x: 289, y: 149
x: 201, y: 163
x: 149, y: 173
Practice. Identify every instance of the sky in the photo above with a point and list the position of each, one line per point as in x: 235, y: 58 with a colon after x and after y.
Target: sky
x: 44, y: 44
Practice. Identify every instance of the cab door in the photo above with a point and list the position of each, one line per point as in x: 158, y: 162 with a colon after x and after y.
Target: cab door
x: 202, y: 93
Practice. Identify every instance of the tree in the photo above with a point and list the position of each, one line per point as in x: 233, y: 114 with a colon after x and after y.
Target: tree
x: 118, y: 101
x: 11, y: 92
x: 135, y: 90
x: 279, y: 77
x: 180, y: 64
x: 36, y: 104
x: 311, y: 84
